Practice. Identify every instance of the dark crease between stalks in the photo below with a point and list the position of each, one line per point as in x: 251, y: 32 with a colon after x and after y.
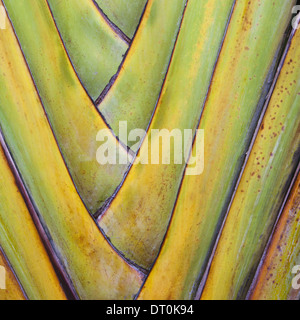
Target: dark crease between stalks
x: 193, y: 142
x: 67, y: 53
x: 98, y: 215
x: 44, y: 235
x: 34, y: 213
x: 281, y: 57
x: 42, y: 104
x: 115, y: 76
x: 112, y: 25
x: 91, y: 100
x: 264, y: 255
x: 45, y: 112
x: 267, y: 96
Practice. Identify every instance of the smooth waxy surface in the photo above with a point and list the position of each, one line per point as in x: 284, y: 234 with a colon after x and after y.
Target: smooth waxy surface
x: 275, y: 277
x: 96, y: 270
x: 228, y: 122
x: 268, y: 173
x: 30, y: 260
x: 134, y: 93
x: 137, y: 219
x: 96, y: 51
x: 73, y: 117
x: 123, y: 13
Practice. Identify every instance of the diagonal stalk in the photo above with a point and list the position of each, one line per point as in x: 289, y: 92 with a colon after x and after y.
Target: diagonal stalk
x: 72, y: 115
x: 93, y: 48
x: 145, y: 213
x: 231, y: 112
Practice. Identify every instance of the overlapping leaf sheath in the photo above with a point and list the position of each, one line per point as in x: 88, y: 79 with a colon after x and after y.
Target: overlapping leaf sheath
x: 137, y: 218
x: 73, y: 117
x: 123, y: 13
x: 230, y: 114
x: 12, y: 290
x: 262, y: 189
x: 95, y: 49
x: 134, y: 93
x: 21, y: 242
x: 275, y: 279
x: 96, y: 270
